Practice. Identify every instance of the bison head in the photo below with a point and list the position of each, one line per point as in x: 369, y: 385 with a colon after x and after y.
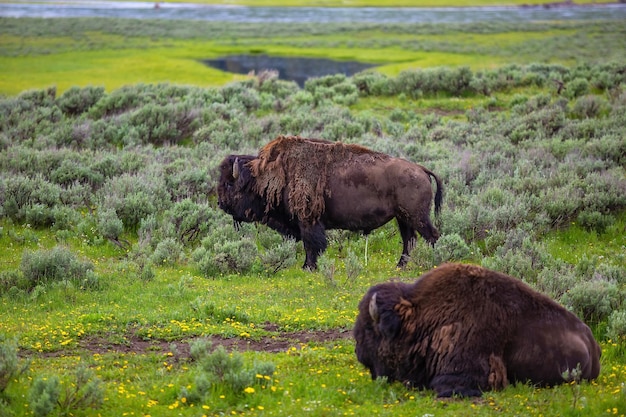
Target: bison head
x: 237, y: 197
x: 383, y: 313
x: 234, y: 191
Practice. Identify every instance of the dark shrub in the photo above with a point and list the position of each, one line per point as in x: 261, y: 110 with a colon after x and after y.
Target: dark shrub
x: 594, y: 220
x: 373, y: 84
x: 76, y: 100
x: 163, y: 124
x: 588, y: 107
x: 576, y: 88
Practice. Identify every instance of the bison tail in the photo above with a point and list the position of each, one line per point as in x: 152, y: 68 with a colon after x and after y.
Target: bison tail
x: 438, y: 196
x: 438, y: 193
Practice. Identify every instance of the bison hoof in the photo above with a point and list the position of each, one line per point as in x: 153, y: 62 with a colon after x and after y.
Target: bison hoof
x: 404, y: 260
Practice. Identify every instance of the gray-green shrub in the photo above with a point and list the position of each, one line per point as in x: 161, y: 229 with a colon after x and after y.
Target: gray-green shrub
x: 48, y: 395
x: 278, y: 256
x: 556, y: 280
x: 10, y: 366
x: 594, y: 220
x: 593, y: 301
x: 222, y: 374
x: 45, y: 266
x: 134, y: 197
x: 616, y: 329
x: 451, y: 247
x: 226, y: 249
x: 21, y: 195
x: 167, y: 252
x: 576, y: 88
x: 44, y: 395
x: 109, y: 225
x: 190, y: 220
x: 587, y: 107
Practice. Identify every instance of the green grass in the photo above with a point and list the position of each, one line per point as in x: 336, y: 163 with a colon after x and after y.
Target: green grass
x: 110, y: 68
x: 113, y: 53
x: 320, y: 378
x: 320, y: 381
x: 575, y: 243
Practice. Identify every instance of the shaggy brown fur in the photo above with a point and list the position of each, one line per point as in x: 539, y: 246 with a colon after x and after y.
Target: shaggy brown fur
x: 303, y: 187
x: 462, y: 329
x: 300, y: 167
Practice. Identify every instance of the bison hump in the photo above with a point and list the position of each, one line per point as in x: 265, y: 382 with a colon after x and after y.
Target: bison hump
x: 300, y: 167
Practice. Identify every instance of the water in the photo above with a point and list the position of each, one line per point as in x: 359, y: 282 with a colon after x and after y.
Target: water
x: 288, y: 68
x: 187, y: 11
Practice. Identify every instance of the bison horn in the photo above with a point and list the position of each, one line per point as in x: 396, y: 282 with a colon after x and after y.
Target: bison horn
x: 236, y: 168
x: 373, y: 308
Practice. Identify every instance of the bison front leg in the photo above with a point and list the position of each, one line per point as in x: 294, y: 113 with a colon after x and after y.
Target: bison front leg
x: 471, y: 377
x: 315, y: 243
x: 451, y: 385
x: 409, y: 239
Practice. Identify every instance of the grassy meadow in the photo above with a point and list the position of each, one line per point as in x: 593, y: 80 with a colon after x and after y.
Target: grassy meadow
x: 125, y: 291
x: 115, y: 52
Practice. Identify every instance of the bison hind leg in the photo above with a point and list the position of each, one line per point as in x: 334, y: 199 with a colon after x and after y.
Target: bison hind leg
x: 409, y: 238
x: 449, y: 385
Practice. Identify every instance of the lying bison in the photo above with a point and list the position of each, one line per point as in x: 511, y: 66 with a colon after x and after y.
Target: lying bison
x: 302, y: 187
x: 462, y: 329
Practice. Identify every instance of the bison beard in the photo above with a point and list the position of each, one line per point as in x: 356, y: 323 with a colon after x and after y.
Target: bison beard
x: 302, y: 187
x: 462, y: 329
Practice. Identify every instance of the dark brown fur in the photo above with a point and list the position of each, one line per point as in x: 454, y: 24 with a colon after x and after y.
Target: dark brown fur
x: 302, y: 187
x: 463, y: 329
x: 302, y: 167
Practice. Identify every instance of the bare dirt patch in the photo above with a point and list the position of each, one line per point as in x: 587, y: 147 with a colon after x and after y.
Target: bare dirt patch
x: 272, y: 344
x: 133, y: 344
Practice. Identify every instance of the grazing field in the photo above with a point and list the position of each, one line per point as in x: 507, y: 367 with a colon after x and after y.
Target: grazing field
x: 124, y: 290
x: 37, y: 53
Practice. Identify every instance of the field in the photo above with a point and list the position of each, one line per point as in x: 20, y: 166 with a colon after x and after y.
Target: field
x: 124, y: 290
x: 114, y: 53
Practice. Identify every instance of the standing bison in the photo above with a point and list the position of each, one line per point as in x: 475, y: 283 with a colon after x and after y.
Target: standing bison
x: 302, y: 187
x: 462, y: 329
